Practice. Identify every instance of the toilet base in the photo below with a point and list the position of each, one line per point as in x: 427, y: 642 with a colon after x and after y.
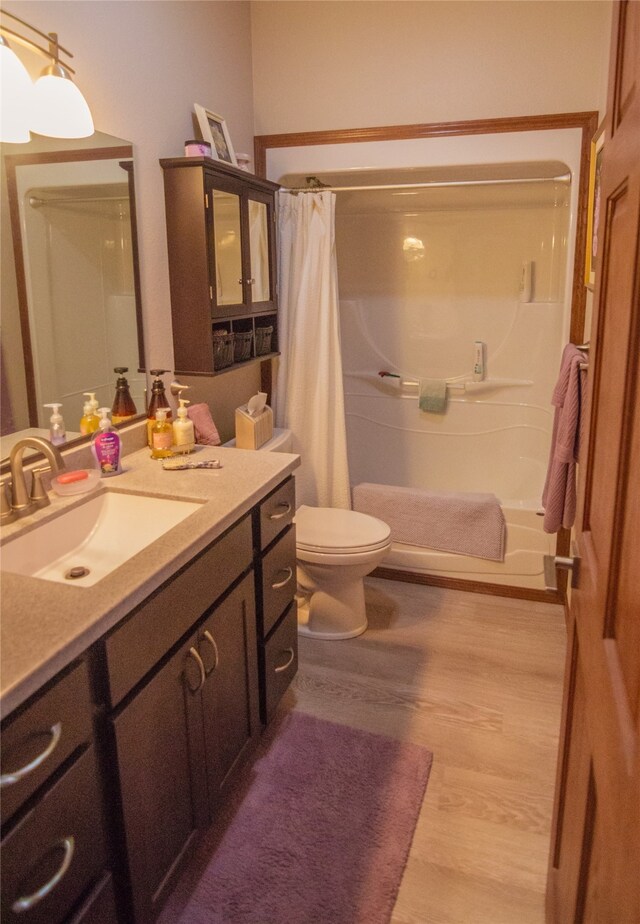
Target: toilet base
x: 335, y: 614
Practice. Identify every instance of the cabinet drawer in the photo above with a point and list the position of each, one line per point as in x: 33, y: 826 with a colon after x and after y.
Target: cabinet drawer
x: 279, y: 662
x: 43, y: 735
x: 278, y: 580
x: 57, y: 849
x: 277, y: 511
x: 150, y: 631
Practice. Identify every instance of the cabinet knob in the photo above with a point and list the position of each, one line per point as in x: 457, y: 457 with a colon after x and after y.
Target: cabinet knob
x: 251, y: 282
x: 8, y: 779
x: 29, y: 901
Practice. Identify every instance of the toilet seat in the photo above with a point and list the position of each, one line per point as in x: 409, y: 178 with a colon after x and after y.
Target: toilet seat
x: 334, y: 531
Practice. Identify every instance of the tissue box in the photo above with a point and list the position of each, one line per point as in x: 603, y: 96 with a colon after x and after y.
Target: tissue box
x: 252, y: 432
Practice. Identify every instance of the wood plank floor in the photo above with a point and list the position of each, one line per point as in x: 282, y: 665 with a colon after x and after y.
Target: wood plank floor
x: 478, y: 680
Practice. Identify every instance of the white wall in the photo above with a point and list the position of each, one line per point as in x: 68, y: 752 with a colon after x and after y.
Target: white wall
x: 329, y: 65
x: 142, y: 66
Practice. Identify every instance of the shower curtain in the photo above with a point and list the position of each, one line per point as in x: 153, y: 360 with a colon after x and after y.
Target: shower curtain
x: 309, y: 393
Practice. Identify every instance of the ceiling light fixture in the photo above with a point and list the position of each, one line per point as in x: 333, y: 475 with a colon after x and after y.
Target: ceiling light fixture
x: 54, y: 106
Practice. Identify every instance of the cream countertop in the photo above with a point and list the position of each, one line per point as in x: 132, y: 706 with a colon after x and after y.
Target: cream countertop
x: 45, y: 624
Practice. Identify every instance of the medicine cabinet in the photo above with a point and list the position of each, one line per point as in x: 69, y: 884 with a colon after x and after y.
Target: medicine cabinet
x: 222, y: 264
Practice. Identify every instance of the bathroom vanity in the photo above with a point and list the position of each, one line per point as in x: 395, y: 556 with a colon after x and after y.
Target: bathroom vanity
x: 128, y: 705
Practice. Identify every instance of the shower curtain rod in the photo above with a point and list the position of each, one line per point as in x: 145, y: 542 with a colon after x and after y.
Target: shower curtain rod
x: 36, y: 203
x: 565, y: 178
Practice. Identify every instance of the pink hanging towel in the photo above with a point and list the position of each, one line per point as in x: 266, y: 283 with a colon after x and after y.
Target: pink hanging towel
x: 559, y: 494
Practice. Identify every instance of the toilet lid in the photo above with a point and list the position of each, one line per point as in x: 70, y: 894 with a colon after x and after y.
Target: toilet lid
x: 333, y: 530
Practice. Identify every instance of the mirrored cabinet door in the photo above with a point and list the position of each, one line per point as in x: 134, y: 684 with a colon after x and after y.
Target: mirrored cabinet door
x: 227, y: 242
x: 260, y: 279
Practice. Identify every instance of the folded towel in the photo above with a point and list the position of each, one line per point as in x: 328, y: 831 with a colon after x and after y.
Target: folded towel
x: 205, y: 429
x: 432, y: 395
x: 559, y: 494
x: 469, y: 524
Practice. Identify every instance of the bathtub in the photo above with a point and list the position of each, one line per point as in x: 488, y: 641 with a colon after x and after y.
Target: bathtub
x: 526, y: 547
x: 492, y: 439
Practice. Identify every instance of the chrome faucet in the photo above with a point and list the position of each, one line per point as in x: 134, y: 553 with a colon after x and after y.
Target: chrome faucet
x: 21, y: 502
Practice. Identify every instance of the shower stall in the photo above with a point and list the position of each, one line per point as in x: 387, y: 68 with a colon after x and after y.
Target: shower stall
x: 432, y: 260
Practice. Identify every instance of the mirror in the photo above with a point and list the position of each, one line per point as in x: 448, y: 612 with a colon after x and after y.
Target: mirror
x: 228, y: 255
x: 70, y: 280
x: 259, y: 237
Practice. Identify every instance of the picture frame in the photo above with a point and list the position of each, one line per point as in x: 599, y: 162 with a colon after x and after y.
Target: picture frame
x: 214, y: 130
x: 593, y: 208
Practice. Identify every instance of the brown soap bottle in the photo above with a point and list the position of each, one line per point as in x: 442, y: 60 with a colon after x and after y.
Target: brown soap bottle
x: 123, y: 407
x: 158, y: 399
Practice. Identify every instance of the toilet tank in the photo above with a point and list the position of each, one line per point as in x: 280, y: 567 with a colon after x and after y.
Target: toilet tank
x: 281, y: 441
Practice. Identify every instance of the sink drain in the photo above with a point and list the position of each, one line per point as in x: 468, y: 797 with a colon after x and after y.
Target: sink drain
x: 79, y: 571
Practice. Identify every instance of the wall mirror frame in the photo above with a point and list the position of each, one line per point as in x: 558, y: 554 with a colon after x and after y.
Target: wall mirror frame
x: 103, y: 150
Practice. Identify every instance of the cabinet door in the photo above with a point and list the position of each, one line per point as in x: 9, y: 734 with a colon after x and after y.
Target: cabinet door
x: 261, y: 256
x: 227, y: 258
x: 158, y: 738
x: 228, y: 648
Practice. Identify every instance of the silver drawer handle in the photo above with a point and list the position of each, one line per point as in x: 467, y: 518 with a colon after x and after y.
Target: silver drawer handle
x: 196, y: 657
x: 292, y: 654
x: 280, y: 516
x: 209, y: 637
x: 289, y: 572
x: 8, y: 779
x: 29, y: 901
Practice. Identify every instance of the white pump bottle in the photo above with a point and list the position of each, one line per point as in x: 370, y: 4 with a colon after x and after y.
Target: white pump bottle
x: 57, y: 431
x: 184, y: 438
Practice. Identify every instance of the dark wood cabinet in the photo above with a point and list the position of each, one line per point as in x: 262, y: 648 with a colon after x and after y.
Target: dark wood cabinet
x: 178, y: 740
x: 222, y: 264
x: 130, y: 750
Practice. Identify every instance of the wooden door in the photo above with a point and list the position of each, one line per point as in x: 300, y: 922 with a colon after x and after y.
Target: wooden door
x: 594, y: 873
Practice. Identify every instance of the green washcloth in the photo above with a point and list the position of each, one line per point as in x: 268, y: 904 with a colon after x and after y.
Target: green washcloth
x: 432, y: 395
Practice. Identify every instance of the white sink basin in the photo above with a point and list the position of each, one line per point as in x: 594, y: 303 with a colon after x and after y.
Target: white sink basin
x: 98, y: 535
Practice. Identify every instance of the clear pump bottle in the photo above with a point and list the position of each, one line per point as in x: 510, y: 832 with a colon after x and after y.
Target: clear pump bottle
x: 161, y: 436
x: 57, y: 432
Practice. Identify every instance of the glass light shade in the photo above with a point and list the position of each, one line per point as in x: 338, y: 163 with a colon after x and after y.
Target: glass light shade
x: 60, y: 109
x: 16, y: 97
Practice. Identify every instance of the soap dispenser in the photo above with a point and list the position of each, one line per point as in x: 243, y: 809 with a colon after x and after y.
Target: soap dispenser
x: 89, y: 422
x: 123, y: 407
x: 106, y: 446
x: 184, y: 437
x: 158, y: 400
x: 57, y: 432
x: 161, y: 436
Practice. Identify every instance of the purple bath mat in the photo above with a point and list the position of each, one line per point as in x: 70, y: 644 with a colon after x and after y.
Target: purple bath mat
x: 321, y: 828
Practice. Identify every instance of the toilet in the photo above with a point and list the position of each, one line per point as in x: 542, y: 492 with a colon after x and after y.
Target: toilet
x: 335, y: 550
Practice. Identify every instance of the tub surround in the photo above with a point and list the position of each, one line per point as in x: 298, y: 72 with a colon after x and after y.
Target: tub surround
x: 46, y: 625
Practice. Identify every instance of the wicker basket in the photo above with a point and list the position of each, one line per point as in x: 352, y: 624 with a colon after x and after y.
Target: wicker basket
x: 263, y: 340
x: 242, y: 345
x: 222, y: 349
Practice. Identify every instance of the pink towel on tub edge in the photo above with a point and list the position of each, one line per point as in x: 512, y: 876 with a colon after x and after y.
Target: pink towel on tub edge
x: 467, y: 524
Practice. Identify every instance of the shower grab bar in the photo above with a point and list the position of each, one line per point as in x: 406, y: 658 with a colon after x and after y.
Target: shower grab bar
x: 464, y: 385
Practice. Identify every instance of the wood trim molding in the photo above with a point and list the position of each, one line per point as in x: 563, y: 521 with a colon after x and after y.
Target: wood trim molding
x: 586, y: 121
x: 474, y: 587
